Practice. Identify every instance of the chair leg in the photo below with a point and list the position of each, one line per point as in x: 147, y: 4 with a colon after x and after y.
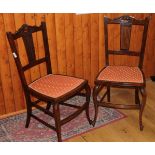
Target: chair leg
x: 108, y: 94
x: 56, y: 112
x: 95, y: 91
x: 137, y: 101
x: 142, y: 106
x: 29, y: 111
x: 48, y: 106
x: 88, y: 93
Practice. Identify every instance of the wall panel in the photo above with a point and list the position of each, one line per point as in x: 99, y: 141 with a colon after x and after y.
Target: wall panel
x: 16, y: 83
x: 51, y: 31
x: 86, y: 47
x: 94, y: 46
x: 76, y: 45
x: 69, y: 37
x: 61, y: 45
x: 7, y: 86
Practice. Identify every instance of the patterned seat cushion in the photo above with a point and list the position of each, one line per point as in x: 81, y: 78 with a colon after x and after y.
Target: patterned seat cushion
x: 121, y: 74
x: 55, y: 85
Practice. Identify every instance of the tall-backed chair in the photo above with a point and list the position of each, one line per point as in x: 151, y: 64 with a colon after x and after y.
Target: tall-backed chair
x: 53, y: 89
x: 122, y: 76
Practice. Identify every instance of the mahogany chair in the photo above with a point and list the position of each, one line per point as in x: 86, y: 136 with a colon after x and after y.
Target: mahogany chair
x: 122, y: 76
x: 53, y: 89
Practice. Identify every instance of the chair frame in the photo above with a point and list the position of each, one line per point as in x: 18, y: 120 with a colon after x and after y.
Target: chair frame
x: 100, y: 84
x: 25, y: 32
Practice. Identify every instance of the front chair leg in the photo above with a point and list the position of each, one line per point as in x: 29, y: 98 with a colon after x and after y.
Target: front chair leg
x: 142, y: 106
x: 95, y: 93
x: 56, y: 112
x: 88, y: 93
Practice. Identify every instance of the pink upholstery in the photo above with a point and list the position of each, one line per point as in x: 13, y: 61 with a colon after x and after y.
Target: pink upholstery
x: 121, y: 74
x: 55, y: 85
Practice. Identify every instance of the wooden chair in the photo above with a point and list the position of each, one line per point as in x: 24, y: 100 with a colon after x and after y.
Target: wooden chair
x: 54, y: 89
x: 122, y: 76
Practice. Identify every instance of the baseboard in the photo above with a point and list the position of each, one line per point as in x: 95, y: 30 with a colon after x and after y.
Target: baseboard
x: 18, y: 112
x: 12, y: 114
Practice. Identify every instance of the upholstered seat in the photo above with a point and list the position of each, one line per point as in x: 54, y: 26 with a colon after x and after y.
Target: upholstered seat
x: 121, y: 74
x: 55, y: 85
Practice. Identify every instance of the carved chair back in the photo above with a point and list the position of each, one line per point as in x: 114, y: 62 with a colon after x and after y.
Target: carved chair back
x: 126, y: 23
x: 26, y: 33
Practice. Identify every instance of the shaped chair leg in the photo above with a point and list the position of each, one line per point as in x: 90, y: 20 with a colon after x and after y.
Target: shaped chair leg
x: 142, y: 106
x: 56, y: 112
x: 88, y: 93
x: 95, y: 93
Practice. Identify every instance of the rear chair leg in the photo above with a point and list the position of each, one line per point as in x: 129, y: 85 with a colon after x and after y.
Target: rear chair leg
x: 108, y: 94
x: 56, y: 112
x: 88, y: 93
x: 95, y: 91
x: 137, y: 101
x: 142, y: 106
x: 48, y: 106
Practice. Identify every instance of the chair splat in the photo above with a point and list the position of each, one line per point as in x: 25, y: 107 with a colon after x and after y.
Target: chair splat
x: 29, y: 46
x: 125, y: 35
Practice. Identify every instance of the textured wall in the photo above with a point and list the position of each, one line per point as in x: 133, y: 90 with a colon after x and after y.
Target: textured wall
x: 76, y: 46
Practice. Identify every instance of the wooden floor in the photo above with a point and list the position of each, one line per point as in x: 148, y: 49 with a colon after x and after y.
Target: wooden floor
x: 126, y: 129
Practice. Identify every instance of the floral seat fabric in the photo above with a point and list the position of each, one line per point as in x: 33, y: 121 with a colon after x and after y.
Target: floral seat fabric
x: 121, y: 74
x: 55, y: 85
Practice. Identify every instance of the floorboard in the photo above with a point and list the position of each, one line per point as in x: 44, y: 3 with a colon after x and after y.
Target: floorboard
x: 127, y: 129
